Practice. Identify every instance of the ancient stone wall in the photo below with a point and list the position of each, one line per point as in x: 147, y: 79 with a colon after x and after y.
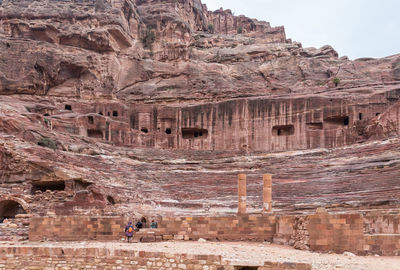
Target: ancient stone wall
x: 32, y: 257
x: 285, y: 229
x: 376, y: 223
x: 383, y: 244
x: 382, y: 233
x: 320, y: 232
x: 72, y: 258
x: 300, y: 237
x: 14, y: 218
x: 242, y: 227
x: 338, y: 233
x: 15, y: 229
x: 76, y: 228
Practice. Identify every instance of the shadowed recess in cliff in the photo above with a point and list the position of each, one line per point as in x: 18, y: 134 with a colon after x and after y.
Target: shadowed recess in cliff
x: 48, y: 185
x: 192, y: 133
x: 286, y: 130
x: 9, y: 209
x: 315, y: 126
x: 336, y: 121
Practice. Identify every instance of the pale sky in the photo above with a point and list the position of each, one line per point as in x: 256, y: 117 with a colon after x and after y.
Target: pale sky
x: 356, y: 28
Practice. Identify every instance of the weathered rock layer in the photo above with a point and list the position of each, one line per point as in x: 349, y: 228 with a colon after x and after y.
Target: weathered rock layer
x: 122, y: 106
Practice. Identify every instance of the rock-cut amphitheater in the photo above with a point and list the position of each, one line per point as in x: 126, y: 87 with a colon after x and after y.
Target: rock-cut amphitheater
x: 250, y: 151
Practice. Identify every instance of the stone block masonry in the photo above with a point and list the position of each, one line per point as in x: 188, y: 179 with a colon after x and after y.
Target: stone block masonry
x: 267, y: 193
x: 321, y: 232
x: 76, y: 228
x: 337, y: 233
x: 40, y: 258
x: 377, y: 223
x: 381, y: 233
x: 229, y: 228
x: 382, y: 244
x: 242, y: 194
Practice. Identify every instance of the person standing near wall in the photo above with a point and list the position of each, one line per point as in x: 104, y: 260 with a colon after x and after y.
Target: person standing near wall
x: 153, y: 225
x: 129, y: 231
x: 144, y: 221
x: 139, y: 225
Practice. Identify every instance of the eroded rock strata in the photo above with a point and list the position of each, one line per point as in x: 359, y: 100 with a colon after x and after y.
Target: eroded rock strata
x: 126, y: 107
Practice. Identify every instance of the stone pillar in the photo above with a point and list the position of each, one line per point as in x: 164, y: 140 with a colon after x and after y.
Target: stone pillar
x: 242, y: 193
x: 267, y: 193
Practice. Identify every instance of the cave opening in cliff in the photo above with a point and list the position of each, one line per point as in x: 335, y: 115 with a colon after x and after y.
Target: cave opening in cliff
x: 360, y: 116
x: 337, y: 121
x: 81, y: 185
x: 95, y: 133
x: 48, y: 185
x: 246, y: 267
x: 68, y: 107
x: 315, y: 126
x: 168, y: 131
x: 90, y: 119
x: 377, y: 114
x: 9, y: 209
x: 144, y: 130
x: 115, y: 113
x: 190, y: 133
x: 110, y: 200
x: 286, y: 130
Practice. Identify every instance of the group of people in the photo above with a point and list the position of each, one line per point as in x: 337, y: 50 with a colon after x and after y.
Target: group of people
x: 130, y: 229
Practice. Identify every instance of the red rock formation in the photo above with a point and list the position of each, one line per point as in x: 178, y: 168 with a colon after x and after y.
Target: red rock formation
x: 115, y: 107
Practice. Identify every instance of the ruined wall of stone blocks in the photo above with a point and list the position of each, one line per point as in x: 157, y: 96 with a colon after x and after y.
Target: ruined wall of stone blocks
x: 32, y: 257
x: 337, y: 233
x: 285, y: 229
x: 73, y: 228
x: 102, y: 258
x: 301, y: 237
x: 15, y: 229
x: 320, y: 232
x: 376, y: 223
x: 76, y: 228
x: 383, y: 244
x: 382, y: 233
x: 242, y: 227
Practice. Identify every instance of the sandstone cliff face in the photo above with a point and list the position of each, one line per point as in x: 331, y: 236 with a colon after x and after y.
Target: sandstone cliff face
x: 154, y: 106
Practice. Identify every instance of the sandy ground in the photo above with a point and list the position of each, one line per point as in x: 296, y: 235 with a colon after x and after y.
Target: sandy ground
x: 242, y: 252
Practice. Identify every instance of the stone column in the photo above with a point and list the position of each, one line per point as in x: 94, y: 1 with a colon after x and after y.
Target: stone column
x: 267, y: 193
x: 242, y: 193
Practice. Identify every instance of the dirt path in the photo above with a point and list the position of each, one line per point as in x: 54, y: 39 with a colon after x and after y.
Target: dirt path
x: 243, y: 252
